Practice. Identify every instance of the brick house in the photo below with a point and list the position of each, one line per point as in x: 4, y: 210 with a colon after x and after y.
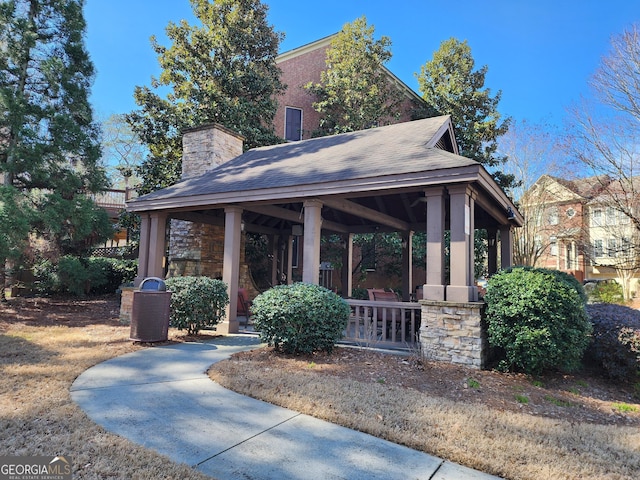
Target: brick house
x: 557, y: 222
x: 578, y: 227
x: 295, y: 118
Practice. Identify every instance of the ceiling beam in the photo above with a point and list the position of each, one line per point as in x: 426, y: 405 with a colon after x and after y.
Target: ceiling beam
x: 197, y: 218
x: 407, y: 207
x: 358, y: 210
x: 292, y: 216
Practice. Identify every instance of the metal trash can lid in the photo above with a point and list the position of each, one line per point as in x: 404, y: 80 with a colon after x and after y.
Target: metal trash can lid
x: 153, y: 284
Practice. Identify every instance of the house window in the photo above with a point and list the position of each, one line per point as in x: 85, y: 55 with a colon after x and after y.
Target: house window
x: 553, y: 216
x: 596, y: 217
x: 553, y: 242
x: 625, y: 218
x: 610, y: 216
x: 570, y: 212
x: 598, y: 250
x: 612, y: 247
x: 568, y: 265
x: 538, y: 242
x: 293, y: 124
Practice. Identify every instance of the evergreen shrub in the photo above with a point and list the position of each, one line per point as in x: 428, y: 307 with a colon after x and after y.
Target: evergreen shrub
x: 79, y: 276
x: 616, y: 340
x: 196, y: 302
x: 607, y: 292
x: 300, y: 318
x: 106, y: 275
x: 73, y: 276
x: 538, y: 318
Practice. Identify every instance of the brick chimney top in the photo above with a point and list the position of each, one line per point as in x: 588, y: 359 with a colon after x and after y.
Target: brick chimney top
x: 207, y: 146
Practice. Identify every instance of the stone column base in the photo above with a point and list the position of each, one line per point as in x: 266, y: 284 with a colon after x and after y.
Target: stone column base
x: 126, y: 305
x: 227, y: 327
x: 454, y: 332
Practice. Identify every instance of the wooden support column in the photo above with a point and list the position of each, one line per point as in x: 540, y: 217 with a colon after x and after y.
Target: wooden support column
x: 143, y: 249
x: 461, y: 208
x: 434, y: 289
x: 347, y: 266
x: 231, y: 267
x: 312, y: 232
x: 289, y: 259
x: 492, y: 250
x: 157, y: 245
x: 506, y: 246
x: 153, y: 228
x: 407, y: 265
x: 273, y: 243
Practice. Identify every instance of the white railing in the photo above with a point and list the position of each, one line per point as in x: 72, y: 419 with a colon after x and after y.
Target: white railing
x: 383, y: 323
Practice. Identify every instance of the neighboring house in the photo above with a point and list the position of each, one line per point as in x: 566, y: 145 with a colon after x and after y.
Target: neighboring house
x: 295, y: 118
x: 577, y: 226
x: 556, y: 216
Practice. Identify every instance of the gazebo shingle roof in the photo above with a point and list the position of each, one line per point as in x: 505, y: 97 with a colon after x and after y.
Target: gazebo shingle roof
x: 403, y: 148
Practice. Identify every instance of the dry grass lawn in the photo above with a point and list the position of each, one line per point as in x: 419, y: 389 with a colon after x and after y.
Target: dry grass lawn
x: 44, y: 346
x: 513, y: 426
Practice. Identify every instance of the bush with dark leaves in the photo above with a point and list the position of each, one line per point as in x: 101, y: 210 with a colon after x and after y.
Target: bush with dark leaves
x: 538, y: 318
x: 197, y: 302
x: 300, y: 318
x: 616, y: 340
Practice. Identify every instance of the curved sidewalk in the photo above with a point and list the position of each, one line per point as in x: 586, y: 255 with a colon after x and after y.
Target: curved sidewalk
x: 161, y: 398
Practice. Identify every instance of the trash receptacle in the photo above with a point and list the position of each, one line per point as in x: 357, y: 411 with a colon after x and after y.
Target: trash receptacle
x: 150, y: 311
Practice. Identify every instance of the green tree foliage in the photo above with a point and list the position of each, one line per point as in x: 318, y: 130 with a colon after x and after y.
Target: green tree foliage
x: 49, y: 148
x: 221, y: 71
x: 450, y: 84
x: 355, y: 91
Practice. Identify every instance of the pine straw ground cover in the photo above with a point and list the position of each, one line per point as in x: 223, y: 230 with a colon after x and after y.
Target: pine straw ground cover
x: 44, y: 345
x: 514, y: 426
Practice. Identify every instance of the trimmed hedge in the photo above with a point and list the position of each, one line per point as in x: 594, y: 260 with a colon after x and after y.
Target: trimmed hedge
x: 616, y: 340
x: 538, y: 318
x: 300, y: 318
x: 196, y: 302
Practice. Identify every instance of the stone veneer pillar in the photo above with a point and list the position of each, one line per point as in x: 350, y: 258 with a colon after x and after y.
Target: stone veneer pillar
x: 454, y: 333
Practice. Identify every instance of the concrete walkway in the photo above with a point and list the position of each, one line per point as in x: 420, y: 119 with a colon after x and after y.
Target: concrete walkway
x: 162, y: 399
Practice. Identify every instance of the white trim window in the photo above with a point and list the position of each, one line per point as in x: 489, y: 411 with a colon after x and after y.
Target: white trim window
x: 553, y: 242
x: 610, y: 216
x: 598, y: 248
x: 292, y: 124
x: 596, y: 217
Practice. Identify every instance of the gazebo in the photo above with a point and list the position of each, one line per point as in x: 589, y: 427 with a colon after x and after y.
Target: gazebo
x: 405, y: 178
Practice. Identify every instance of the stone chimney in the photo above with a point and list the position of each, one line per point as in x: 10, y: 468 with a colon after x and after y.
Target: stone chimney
x: 208, y: 146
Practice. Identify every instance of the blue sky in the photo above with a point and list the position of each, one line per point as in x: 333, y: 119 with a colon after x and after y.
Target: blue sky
x: 540, y: 53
